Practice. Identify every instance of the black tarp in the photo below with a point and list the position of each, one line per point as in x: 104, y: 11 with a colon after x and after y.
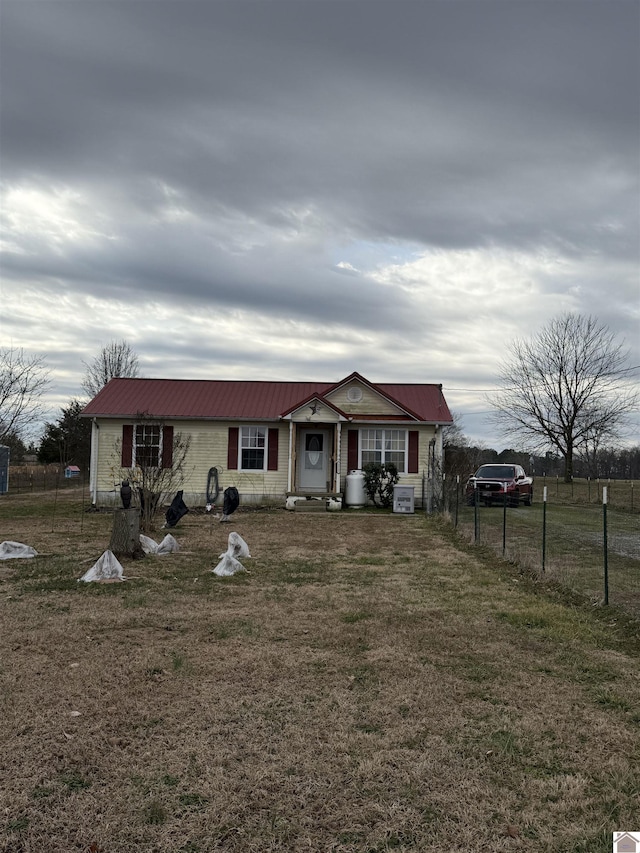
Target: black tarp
x: 177, y: 509
x: 231, y: 500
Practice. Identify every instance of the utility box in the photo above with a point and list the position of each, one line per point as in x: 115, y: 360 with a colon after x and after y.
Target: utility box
x: 4, y: 469
x: 403, y: 499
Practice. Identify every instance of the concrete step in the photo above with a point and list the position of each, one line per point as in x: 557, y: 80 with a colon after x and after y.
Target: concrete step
x: 310, y: 506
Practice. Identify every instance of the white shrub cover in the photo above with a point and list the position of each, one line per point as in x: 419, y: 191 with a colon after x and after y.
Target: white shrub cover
x: 237, y: 547
x: 168, y: 545
x: 14, y: 550
x: 149, y: 546
x: 229, y: 564
x: 107, y: 568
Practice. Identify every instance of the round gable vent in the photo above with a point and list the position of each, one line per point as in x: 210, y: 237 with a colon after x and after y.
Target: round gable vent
x: 354, y: 394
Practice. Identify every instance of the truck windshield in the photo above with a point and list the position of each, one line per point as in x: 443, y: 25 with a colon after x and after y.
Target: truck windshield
x: 496, y: 472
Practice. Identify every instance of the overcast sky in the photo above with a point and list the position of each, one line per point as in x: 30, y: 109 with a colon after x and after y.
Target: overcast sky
x: 296, y: 189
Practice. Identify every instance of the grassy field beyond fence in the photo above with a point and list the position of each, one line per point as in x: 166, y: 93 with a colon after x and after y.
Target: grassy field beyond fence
x: 373, y: 684
x: 622, y: 494
x: 570, y: 537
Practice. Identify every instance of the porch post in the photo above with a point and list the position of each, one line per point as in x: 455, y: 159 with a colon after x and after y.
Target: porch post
x: 290, y: 463
x: 337, y: 484
x: 93, y: 464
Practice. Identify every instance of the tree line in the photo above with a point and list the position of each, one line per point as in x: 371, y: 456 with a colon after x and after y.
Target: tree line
x: 614, y: 463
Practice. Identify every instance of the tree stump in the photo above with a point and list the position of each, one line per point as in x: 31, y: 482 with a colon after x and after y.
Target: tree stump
x: 125, y: 536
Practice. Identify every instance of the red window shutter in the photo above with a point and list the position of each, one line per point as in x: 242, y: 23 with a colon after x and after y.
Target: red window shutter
x: 352, y: 449
x: 127, y: 446
x: 167, y: 446
x: 232, y: 449
x: 272, y: 458
x: 412, y: 461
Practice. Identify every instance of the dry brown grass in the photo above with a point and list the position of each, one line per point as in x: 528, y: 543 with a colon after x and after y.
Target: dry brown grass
x: 369, y: 686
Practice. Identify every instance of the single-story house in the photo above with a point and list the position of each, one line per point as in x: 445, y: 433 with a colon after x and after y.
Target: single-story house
x: 271, y: 440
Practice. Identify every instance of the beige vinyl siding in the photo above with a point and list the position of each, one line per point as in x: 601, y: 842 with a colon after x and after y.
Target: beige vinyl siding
x: 370, y: 403
x: 208, y: 448
x: 109, y: 472
x: 261, y: 487
x: 425, y: 434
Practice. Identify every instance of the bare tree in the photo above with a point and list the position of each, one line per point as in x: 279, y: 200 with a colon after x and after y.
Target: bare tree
x: 23, y: 380
x: 567, y: 388
x: 117, y: 359
x: 158, y: 466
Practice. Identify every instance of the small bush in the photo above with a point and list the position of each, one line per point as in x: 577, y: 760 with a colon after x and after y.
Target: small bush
x: 379, y: 481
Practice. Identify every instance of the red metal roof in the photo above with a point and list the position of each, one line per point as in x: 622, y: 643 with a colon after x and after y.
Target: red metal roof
x: 243, y: 400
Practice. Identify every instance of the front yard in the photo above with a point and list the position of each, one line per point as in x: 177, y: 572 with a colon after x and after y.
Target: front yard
x: 370, y: 685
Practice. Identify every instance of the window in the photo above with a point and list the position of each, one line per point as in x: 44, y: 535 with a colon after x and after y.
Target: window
x: 384, y: 446
x: 148, y: 445
x: 252, y: 448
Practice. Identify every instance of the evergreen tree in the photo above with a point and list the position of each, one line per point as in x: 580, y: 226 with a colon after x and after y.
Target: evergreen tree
x: 68, y: 440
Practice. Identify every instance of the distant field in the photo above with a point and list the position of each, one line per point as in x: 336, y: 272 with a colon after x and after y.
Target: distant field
x: 574, y: 552
x: 621, y: 494
x: 374, y: 684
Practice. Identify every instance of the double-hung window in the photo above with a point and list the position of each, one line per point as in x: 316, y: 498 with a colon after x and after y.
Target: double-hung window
x: 384, y: 447
x: 148, y: 445
x: 253, y: 441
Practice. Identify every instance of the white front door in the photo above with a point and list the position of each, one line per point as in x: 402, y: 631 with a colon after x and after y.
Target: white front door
x: 314, y: 460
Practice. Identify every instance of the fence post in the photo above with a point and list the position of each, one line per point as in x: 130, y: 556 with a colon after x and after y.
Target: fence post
x: 55, y: 506
x: 84, y: 483
x: 458, y: 497
x: 544, y: 526
x: 504, y: 522
x: 604, y: 539
x: 476, y: 520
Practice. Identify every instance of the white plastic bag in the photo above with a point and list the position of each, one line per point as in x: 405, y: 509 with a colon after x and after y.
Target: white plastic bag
x: 149, y: 546
x: 229, y: 564
x: 237, y: 546
x: 14, y: 550
x: 107, y: 568
x: 168, y: 545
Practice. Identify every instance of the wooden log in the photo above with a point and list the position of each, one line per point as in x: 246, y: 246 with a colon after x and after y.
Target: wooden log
x: 125, y: 536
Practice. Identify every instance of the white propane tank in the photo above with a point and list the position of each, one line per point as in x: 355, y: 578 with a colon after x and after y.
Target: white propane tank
x: 355, y: 495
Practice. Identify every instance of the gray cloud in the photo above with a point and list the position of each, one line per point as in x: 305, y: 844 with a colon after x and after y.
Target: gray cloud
x: 292, y: 163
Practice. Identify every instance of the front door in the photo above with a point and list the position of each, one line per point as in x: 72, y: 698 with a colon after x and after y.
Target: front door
x: 314, y: 460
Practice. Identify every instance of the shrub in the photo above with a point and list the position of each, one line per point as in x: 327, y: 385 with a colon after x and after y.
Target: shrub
x: 379, y: 481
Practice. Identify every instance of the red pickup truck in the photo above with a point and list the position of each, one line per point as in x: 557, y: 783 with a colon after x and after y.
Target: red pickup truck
x: 491, y: 482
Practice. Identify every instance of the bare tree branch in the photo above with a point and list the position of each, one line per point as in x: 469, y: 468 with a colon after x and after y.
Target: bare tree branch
x: 23, y: 380
x: 566, y: 388
x: 117, y: 359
